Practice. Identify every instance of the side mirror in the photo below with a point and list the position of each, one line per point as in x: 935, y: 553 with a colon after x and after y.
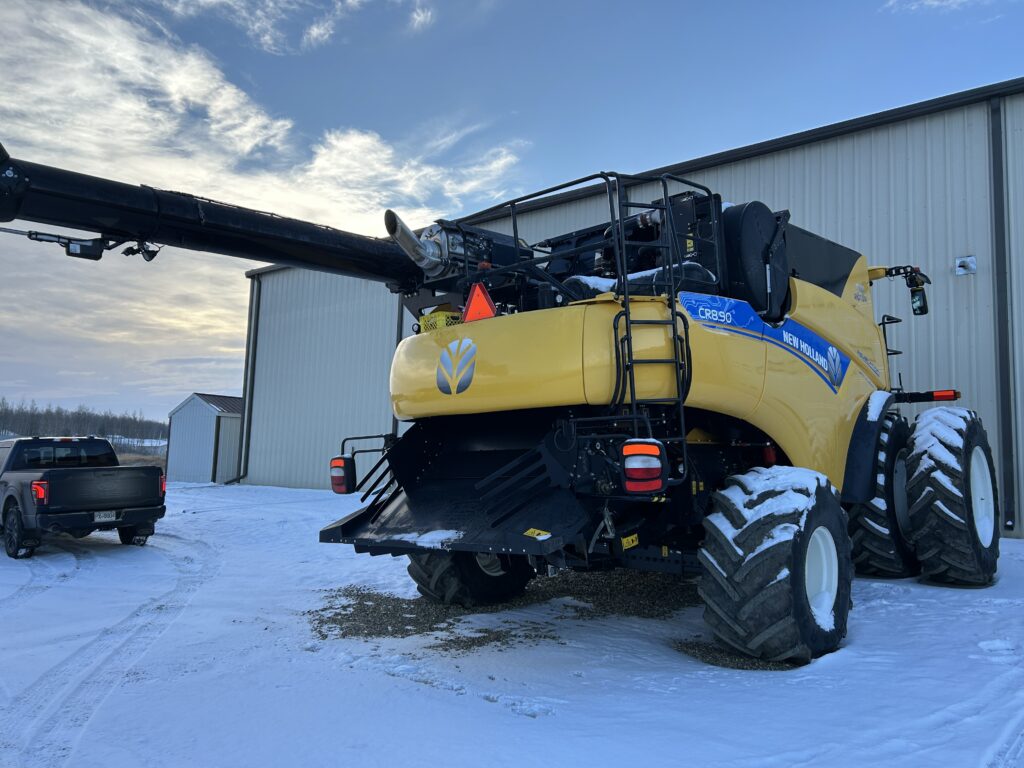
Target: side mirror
x: 343, y: 474
x: 918, y: 300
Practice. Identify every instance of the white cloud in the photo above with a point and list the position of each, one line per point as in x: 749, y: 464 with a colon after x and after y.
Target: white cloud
x: 94, y: 92
x: 318, y: 33
x: 261, y: 19
x: 421, y: 18
x: 322, y: 30
x: 266, y: 22
x: 931, y: 5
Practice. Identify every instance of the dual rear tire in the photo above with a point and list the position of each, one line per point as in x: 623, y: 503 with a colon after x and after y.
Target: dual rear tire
x: 954, y: 502
x: 935, y: 509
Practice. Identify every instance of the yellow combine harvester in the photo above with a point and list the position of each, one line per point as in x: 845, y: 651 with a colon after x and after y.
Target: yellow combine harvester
x: 683, y: 388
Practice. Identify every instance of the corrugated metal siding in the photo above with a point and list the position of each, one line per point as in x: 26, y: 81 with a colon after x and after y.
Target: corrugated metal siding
x: 227, y: 448
x: 323, y: 357
x: 912, y: 192
x: 190, y: 450
x: 1013, y: 138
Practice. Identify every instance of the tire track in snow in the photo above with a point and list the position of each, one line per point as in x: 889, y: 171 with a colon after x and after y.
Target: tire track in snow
x: 885, y: 746
x: 1011, y: 753
x: 43, y: 724
x: 45, y: 575
x: 35, y: 585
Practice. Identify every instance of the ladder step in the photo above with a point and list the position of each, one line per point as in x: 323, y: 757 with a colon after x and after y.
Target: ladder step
x: 652, y: 322
x: 655, y: 361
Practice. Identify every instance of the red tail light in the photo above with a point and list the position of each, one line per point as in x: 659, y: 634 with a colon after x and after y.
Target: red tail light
x: 40, y: 492
x: 644, y: 466
x: 945, y: 395
x: 343, y: 474
x: 163, y: 485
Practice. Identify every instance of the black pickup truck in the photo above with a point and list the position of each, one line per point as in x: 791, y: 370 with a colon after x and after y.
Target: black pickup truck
x: 74, y: 485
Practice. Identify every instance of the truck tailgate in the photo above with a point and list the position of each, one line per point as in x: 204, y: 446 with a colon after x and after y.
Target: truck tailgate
x: 90, y: 488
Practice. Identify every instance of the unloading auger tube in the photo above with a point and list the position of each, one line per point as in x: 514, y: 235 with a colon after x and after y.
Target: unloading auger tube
x: 144, y: 217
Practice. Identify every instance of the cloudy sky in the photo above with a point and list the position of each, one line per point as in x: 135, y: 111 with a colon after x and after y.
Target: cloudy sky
x: 333, y: 110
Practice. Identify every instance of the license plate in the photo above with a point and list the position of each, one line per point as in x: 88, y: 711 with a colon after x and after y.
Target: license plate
x: 104, y: 517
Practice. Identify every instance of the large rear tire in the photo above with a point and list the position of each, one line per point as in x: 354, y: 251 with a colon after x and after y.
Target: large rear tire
x: 954, y: 506
x: 468, y: 579
x: 777, y: 571
x: 880, y: 528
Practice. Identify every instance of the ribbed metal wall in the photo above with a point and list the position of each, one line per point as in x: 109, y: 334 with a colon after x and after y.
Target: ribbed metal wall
x: 227, y: 447
x: 1013, y: 143
x: 913, y: 192
x: 190, y: 450
x: 322, y: 362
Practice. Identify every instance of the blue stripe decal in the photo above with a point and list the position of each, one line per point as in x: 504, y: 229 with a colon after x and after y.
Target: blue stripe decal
x: 734, y: 316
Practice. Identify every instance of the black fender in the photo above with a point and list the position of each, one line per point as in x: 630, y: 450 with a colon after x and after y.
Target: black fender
x: 859, y: 480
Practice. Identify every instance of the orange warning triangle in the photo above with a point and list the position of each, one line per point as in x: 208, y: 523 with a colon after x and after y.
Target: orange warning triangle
x: 479, y: 305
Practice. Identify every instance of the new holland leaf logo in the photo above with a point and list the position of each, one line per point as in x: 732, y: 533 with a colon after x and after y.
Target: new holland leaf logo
x: 835, y: 366
x: 456, y: 366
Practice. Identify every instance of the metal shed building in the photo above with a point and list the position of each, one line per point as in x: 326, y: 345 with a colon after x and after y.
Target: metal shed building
x: 204, y: 437
x: 925, y: 184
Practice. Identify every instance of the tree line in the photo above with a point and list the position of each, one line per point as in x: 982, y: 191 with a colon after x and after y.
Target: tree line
x: 129, y: 430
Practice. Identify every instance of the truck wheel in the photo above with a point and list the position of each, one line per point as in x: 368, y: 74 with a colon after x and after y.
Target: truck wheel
x: 468, y: 579
x: 880, y: 529
x: 14, y: 533
x: 776, y: 565
x: 130, y: 535
x: 954, y: 506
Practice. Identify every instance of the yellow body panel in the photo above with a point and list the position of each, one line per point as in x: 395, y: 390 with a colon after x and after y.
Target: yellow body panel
x: 803, y: 382
x: 529, y: 360
x: 731, y: 368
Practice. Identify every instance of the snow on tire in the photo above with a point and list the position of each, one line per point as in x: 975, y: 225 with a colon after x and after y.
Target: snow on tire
x: 468, y: 579
x: 880, y: 528
x: 954, y: 503
x: 776, y: 566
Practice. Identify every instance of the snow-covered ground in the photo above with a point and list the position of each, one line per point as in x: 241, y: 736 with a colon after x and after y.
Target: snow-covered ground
x: 198, y: 650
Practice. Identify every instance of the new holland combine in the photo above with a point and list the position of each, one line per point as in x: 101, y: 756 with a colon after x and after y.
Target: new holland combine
x: 682, y: 387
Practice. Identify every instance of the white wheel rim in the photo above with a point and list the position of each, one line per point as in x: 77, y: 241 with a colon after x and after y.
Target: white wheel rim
x: 821, y: 577
x: 983, y: 503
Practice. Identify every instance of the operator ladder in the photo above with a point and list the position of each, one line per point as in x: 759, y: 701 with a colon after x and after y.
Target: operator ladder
x: 674, y: 270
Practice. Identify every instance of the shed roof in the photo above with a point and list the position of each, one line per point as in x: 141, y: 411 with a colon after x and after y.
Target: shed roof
x: 223, y: 403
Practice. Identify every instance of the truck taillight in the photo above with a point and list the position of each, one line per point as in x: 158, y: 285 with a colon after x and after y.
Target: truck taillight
x: 343, y: 474
x: 163, y: 485
x: 40, y: 492
x: 644, y: 466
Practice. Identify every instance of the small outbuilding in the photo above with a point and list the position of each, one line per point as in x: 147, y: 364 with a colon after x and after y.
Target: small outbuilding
x: 204, y: 438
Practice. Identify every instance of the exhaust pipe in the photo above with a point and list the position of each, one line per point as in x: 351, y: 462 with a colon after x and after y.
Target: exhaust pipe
x: 425, y: 254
